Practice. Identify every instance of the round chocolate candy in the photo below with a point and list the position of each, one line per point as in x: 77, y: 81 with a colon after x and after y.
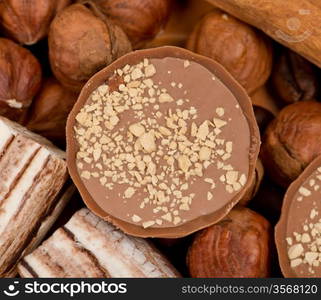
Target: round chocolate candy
x: 298, y: 233
x: 162, y: 142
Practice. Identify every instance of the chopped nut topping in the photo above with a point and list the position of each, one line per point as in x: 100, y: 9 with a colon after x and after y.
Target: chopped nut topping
x: 304, y: 192
x: 157, y: 156
x: 184, y: 163
x: 220, y: 111
x: 164, y: 130
x: 205, y: 153
x: 203, y: 131
x: 147, y: 140
x: 129, y: 192
x: 163, y: 98
x: 150, y: 71
x: 296, y: 262
x: 136, y: 218
x: 307, y: 252
x: 148, y: 224
x: 137, y: 129
x: 167, y: 217
x: 85, y: 174
x: 219, y: 123
x: 295, y: 251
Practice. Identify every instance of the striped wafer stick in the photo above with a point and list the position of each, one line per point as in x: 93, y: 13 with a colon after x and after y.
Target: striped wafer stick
x: 88, y: 246
x: 32, y: 172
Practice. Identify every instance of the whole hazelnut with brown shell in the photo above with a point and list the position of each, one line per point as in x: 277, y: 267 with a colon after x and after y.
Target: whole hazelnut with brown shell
x: 292, y: 141
x: 240, y: 48
x: 294, y: 78
x: 141, y: 20
x: 82, y: 41
x: 27, y: 22
x: 237, y: 246
x: 49, y: 111
x: 20, y: 79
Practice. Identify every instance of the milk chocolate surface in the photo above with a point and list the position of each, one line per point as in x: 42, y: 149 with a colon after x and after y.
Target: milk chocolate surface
x: 298, y: 234
x: 159, y: 141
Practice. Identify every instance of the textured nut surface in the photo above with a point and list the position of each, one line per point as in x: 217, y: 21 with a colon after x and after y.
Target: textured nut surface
x: 28, y: 21
x: 81, y: 42
x: 237, y: 246
x: 20, y: 79
x: 49, y: 111
x: 294, y: 78
x: 243, y: 51
x: 292, y: 141
x: 141, y: 20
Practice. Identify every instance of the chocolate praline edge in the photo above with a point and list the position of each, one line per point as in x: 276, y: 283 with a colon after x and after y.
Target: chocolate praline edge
x: 135, y: 57
x: 281, y: 226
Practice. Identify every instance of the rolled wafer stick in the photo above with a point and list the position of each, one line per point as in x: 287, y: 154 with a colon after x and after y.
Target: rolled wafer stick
x: 32, y: 172
x: 47, y: 222
x: 295, y: 24
x: 88, y: 246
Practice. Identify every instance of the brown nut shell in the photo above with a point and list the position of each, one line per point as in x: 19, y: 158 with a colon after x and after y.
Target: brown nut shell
x: 242, y: 50
x: 135, y: 57
x: 20, y: 79
x: 49, y: 111
x: 28, y: 21
x: 141, y: 20
x: 237, y: 246
x: 294, y: 78
x: 292, y: 141
x: 81, y: 42
x: 295, y: 214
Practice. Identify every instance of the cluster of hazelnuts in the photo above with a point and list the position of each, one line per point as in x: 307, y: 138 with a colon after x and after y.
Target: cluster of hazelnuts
x: 49, y: 49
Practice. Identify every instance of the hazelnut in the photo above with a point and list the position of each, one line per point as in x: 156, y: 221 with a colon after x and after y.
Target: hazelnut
x: 238, y: 246
x: 28, y: 21
x: 292, y: 141
x: 141, y: 20
x: 241, y: 49
x: 81, y: 42
x: 20, y: 79
x: 294, y: 78
x: 49, y: 111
